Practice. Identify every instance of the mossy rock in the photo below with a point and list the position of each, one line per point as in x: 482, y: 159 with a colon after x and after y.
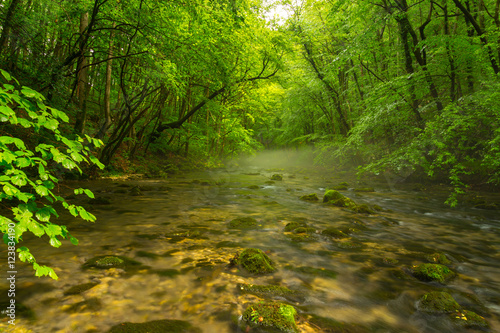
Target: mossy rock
x: 390, y: 261
x: 255, y: 261
x: 301, y: 237
x: 254, y: 187
x: 273, y: 315
x: 348, y: 245
x: 310, y: 197
x: 277, y: 177
x: 136, y: 191
x: 243, y: 223
x: 266, y: 290
x: 438, y: 258
x: 156, y: 326
x: 363, y: 209
x: 304, y: 230
x: 328, y: 325
x: 89, y: 305
x: 331, y: 195
x: 364, y: 189
x: 323, y: 272
x: 291, y: 226
x: 80, y: 288
x: 335, y: 233
x: 344, y: 184
x: 339, y: 188
x: 432, y: 272
x: 468, y: 319
x: 438, y: 302
x: 105, y: 262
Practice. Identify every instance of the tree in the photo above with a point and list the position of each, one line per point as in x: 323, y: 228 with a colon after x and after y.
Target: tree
x: 28, y: 163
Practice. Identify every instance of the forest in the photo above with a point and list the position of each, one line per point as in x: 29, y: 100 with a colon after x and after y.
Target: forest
x: 405, y: 86
x: 408, y: 89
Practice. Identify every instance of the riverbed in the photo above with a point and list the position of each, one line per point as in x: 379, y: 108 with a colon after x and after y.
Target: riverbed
x: 177, y: 229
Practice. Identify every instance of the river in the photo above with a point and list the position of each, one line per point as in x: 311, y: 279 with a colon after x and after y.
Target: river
x: 177, y: 228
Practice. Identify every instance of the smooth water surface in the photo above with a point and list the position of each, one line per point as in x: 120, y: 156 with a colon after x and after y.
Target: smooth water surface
x: 178, y: 229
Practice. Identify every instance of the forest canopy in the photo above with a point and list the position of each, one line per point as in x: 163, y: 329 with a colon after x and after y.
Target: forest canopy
x: 407, y: 87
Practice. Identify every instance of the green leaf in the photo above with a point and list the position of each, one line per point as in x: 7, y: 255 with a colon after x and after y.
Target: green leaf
x: 42, y: 190
x: 51, y: 124
x: 6, y: 75
x: 55, y: 242
x: 19, y: 180
x: 43, y: 214
x: 36, y: 228
x: 69, y: 164
x: 25, y: 255
x: 8, y: 140
x: 30, y: 93
x: 89, y: 193
x: 10, y: 190
x: 73, y: 240
x: 52, y: 230
x: 5, y: 110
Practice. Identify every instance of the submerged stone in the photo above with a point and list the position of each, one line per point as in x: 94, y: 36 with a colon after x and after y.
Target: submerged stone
x: 89, y: 305
x: 243, y: 223
x: 253, y: 187
x: 364, y: 189
x: 363, y: 209
x: 156, y: 326
x: 310, y: 197
x: 339, y: 188
x: 272, y: 315
x: 438, y: 258
x: 277, y: 177
x: 266, y: 290
x: 105, y: 262
x: 323, y: 272
x: 80, y: 288
x: 254, y: 261
x: 468, y: 319
x: 438, y: 302
x: 335, y: 233
x: 432, y: 272
x: 329, y: 325
x: 294, y: 225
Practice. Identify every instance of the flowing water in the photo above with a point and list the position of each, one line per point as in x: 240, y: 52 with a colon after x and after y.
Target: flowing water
x: 178, y: 229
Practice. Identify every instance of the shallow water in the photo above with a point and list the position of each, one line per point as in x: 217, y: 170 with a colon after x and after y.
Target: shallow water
x: 152, y: 229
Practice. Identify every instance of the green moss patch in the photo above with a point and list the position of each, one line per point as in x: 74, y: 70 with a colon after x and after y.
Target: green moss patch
x: 273, y: 315
x: 254, y: 261
x: 332, y: 195
x: 155, y: 326
x: 266, y: 290
x: 335, y: 233
x: 432, y: 272
x: 277, y: 177
x: 313, y: 197
x: 364, y: 189
x: 105, y: 262
x: 323, y: 272
x: 243, y: 223
x: 438, y: 258
x: 438, y: 302
x: 468, y: 319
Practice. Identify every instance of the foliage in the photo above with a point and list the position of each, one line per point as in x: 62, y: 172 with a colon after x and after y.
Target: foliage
x: 28, y: 170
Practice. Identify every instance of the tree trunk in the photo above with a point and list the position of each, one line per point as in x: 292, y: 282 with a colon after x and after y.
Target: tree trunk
x: 7, y: 25
x: 107, y: 91
x: 82, y: 78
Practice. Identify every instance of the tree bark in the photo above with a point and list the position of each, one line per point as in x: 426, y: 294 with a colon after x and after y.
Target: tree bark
x: 82, y: 78
x: 7, y: 26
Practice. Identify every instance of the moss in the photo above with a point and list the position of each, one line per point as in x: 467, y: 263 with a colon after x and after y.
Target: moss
x: 155, y: 326
x: 335, y: 233
x: 390, y: 261
x: 294, y: 225
x: 364, y: 189
x: 253, y: 187
x: 344, y: 184
x: 328, y: 325
x: 377, y: 208
x: 304, y: 230
x: 255, y: 261
x: 266, y: 290
x: 313, y: 271
x: 272, y: 315
x: 302, y: 237
x: 80, y: 288
x: 468, y: 319
x: 349, y: 245
x: 310, y: 197
x: 438, y: 302
x: 363, y: 209
x: 166, y: 272
x: 339, y: 188
x: 332, y: 195
x: 277, y: 177
x: 105, y: 262
x: 243, y: 223
x: 432, y: 272
x: 438, y: 258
